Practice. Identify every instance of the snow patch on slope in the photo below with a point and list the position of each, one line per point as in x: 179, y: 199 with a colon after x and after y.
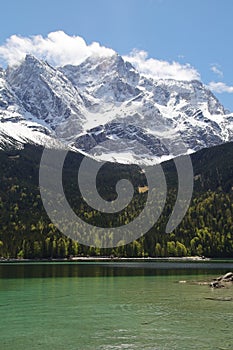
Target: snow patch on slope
x: 105, y: 98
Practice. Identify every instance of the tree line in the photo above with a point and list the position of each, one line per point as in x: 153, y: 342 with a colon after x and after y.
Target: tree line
x: 27, y: 232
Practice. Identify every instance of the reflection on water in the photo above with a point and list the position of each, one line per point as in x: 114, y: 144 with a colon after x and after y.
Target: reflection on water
x: 104, y: 269
x: 133, y: 306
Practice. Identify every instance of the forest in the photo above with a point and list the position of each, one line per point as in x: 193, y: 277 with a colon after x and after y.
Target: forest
x: 26, y: 232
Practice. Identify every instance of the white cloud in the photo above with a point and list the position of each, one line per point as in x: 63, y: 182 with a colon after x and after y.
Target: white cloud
x: 161, y: 69
x: 220, y: 87
x: 216, y: 69
x: 60, y: 49
x: 57, y: 48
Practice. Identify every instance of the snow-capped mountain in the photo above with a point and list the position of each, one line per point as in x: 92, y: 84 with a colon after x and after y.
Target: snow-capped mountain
x: 17, y: 125
x: 105, y: 104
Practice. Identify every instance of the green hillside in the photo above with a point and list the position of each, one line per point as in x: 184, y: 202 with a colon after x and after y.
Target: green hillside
x: 207, y: 228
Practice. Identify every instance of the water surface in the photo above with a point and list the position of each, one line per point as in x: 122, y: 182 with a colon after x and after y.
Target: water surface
x: 102, y: 306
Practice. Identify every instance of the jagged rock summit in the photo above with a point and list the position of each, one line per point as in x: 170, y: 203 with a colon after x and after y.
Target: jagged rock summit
x: 106, y: 107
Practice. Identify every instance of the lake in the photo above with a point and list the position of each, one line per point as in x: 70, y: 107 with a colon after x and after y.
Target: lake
x: 114, y: 305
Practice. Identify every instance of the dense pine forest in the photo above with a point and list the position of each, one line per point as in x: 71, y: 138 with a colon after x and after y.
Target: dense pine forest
x: 207, y: 228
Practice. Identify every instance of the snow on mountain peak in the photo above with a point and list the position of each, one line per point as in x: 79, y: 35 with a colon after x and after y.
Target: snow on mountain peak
x: 105, y: 98
x: 45, y: 92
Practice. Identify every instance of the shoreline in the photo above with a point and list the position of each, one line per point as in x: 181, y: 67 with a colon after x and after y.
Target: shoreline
x: 112, y: 259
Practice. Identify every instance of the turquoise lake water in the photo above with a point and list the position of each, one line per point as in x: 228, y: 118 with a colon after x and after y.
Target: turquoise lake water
x: 103, y: 306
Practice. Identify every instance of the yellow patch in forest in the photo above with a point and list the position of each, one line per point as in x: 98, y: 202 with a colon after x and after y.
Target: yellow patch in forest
x: 143, y: 189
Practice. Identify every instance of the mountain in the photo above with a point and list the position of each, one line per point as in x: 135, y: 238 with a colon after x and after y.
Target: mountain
x: 17, y: 125
x: 106, y: 108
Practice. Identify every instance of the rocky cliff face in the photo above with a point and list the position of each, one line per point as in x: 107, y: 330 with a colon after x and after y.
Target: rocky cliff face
x: 106, y: 99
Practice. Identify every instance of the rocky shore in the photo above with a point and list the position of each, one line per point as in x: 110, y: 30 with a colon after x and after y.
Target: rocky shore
x: 222, y: 281
x: 218, y: 282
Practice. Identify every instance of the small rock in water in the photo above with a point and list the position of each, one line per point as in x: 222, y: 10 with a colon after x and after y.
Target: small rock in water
x: 216, y: 284
x: 220, y: 299
x: 219, y: 282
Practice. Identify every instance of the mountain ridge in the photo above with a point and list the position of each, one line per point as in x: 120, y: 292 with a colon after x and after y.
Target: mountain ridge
x: 103, y: 103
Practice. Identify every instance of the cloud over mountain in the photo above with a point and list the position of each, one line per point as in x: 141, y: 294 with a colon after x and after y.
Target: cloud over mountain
x: 57, y: 48
x: 60, y: 49
x: 160, y: 69
x: 220, y: 87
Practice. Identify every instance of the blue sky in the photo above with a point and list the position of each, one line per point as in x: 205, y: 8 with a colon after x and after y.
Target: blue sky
x: 198, y: 32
